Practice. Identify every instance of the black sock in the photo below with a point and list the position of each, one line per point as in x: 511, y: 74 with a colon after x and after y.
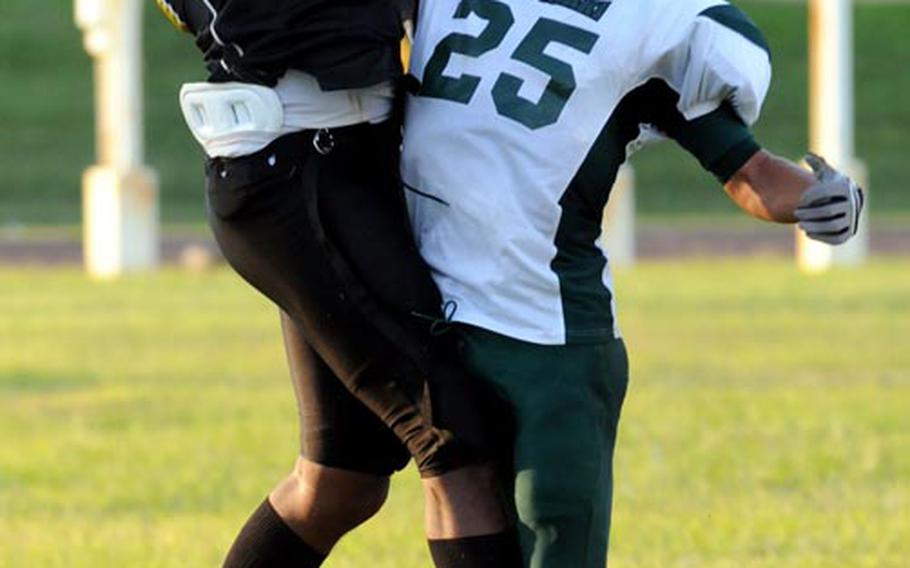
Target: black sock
x: 265, y: 541
x: 500, y: 550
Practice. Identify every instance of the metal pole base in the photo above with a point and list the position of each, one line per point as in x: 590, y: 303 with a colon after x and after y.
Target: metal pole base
x: 120, y: 225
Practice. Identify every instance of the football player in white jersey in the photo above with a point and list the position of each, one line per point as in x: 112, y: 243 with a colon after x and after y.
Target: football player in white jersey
x: 521, y: 115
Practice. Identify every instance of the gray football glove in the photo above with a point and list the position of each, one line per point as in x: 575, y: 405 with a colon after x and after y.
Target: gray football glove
x: 829, y: 210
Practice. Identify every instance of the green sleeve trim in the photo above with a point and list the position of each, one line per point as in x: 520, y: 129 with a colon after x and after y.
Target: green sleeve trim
x: 735, y: 19
x: 720, y: 141
x: 735, y: 158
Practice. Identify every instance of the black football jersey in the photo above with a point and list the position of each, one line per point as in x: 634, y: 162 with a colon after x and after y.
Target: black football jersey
x: 345, y: 44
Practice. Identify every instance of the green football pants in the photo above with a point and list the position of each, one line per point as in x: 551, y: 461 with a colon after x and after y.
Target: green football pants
x: 566, y: 402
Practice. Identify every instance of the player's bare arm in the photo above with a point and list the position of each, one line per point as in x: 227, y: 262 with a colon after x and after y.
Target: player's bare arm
x: 768, y: 187
x: 826, y: 203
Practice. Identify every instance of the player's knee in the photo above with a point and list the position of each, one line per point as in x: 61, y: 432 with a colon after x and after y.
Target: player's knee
x: 474, y: 484
x: 347, y: 501
x: 338, y: 500
x: 560, y: 489
x: 535, y: 501
x: 362, y: 502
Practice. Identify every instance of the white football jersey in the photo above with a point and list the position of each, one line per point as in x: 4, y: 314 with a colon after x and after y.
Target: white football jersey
x: 524, y: 112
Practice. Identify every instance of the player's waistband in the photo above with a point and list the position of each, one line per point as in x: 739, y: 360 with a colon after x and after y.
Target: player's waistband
x: 238, y: 119
x: 297, y: 147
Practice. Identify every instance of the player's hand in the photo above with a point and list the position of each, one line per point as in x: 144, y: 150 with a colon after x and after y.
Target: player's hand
x: 829, y: 210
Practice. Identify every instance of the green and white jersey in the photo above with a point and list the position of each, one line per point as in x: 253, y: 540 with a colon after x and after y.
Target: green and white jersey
x: 524, y: 112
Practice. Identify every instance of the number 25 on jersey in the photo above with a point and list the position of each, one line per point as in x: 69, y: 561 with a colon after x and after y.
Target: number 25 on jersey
x: 499, y: 20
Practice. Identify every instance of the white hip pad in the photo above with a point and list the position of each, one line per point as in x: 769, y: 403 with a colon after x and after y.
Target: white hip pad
x: 232, y: 119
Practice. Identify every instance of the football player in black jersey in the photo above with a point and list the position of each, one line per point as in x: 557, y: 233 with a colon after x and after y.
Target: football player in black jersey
x: 297, y: 122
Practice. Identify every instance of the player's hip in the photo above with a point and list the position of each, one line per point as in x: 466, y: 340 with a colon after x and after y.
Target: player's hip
x: 538, y: 380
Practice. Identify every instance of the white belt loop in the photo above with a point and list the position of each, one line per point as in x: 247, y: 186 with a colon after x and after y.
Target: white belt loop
x: 324, y: 141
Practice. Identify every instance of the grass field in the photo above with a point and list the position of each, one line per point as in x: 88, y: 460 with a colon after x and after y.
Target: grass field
x: 46, y: 113
x: 767, y: 424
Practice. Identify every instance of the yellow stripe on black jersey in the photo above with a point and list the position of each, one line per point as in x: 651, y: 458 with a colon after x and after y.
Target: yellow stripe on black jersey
x: 172, y: 15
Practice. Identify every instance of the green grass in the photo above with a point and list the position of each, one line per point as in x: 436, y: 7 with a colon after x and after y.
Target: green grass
x: 46, y: 113
x: 767, y: 424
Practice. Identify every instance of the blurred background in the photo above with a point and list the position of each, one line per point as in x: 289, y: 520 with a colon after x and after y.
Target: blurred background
x: 141, y: 419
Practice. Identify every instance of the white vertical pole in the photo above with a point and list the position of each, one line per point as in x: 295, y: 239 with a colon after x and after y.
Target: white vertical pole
x: 619, y: 220
x: 120, y: 195
x: 831, y: 119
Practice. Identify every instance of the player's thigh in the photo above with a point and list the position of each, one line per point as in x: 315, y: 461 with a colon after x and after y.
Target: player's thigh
x: 336, y: 429
x: 266, y: 222
x: 272, y: 233
x: 371, y: 228
x: 562, y: 396
x: 566, y: 401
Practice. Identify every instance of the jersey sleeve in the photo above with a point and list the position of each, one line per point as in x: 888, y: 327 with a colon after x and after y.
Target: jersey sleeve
x: 719, y: 73
x: 725, y: 59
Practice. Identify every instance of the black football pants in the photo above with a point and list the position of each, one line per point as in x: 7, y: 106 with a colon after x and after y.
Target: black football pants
x: 316, y: 222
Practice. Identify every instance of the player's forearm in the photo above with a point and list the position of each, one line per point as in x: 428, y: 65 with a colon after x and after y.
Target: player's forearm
x: 769, y: 188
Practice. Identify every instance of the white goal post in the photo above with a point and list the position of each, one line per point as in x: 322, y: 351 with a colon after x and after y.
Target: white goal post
x: 120, y: 194
x: 831, y: 122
